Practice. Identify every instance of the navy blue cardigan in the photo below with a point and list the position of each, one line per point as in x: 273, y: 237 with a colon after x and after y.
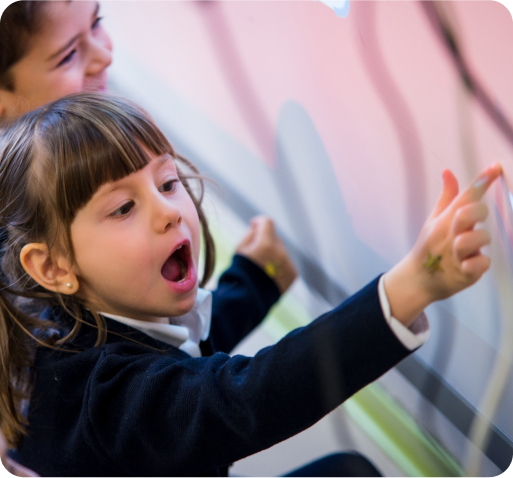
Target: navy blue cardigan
x: 149, y: 409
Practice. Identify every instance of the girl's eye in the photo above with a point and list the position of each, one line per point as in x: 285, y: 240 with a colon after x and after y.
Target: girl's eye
x: 96, y: 23
x: 67, y: 58
x: 168, y: 186
x: 124, y: 210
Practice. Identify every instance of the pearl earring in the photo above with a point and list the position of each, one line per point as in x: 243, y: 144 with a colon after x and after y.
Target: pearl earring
x: 68, y: 285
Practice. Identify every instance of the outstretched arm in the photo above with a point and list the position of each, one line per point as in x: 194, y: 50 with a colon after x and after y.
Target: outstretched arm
x: 265, y: 248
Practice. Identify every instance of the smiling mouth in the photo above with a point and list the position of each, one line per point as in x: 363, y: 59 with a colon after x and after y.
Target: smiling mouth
x: 176, y: 268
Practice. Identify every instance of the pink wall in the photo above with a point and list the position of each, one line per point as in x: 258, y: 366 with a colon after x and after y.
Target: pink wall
x: 389, y: 128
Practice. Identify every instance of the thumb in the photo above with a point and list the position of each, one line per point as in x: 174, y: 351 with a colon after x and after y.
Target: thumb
x: 449, y: 192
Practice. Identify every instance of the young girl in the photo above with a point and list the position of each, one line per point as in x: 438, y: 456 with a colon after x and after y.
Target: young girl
x: 102, y: 257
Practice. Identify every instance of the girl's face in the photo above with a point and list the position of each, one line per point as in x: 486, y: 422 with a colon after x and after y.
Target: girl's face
x: 137, y: 244
x: 69, y: 54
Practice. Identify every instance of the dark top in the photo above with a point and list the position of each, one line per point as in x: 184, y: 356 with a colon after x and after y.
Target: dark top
x: 125, y: 409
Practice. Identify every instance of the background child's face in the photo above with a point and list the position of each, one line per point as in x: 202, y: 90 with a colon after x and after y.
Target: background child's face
x: 124, y: 237
x: 69, y: 54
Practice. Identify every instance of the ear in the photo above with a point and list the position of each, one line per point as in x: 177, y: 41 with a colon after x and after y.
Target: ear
x: 54, y: 273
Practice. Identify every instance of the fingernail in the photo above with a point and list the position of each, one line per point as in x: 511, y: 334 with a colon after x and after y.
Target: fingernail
x: 495, y: 168
x: 480, y: 182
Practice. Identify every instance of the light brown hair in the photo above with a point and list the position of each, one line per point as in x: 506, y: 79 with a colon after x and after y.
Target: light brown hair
x: 52, y: 161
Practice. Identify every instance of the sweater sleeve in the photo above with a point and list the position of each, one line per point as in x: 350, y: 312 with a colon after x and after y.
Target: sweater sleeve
x: 244, y: 295
x: 157, y: 415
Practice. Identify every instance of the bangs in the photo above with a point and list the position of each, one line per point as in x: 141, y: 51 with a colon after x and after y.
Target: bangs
x: 94, y: 142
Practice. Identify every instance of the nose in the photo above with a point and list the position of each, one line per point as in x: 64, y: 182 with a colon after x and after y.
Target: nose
x: 99, y: 55
x: 165, y: 215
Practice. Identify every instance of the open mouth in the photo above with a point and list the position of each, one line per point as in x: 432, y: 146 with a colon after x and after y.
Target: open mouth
x: 176, y: 268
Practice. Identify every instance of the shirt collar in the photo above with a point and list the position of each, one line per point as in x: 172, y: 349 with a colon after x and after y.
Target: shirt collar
x: 185, y: 331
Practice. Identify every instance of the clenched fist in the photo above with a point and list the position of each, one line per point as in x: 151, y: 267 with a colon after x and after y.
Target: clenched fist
x: 264, y: 247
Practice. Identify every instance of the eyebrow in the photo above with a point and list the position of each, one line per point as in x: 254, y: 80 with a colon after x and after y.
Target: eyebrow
x: 165, y: 158
x: 160, y: 161
x: 73, y: 40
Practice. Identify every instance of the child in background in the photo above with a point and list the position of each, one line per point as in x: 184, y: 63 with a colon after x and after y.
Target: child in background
x: 49, y: 50
x: 103, y: 236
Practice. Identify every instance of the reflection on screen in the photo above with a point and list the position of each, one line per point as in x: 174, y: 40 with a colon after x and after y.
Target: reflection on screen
x: 340, y: 7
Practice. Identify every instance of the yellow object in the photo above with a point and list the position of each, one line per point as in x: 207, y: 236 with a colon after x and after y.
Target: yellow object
x: 271, y: 269
x: 432, y: 264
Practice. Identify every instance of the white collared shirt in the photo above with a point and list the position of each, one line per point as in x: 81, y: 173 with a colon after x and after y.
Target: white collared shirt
x: 411, y: 337
x: 185, y: 331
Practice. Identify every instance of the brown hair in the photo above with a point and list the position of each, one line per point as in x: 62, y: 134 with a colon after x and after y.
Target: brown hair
x: 52, y: 161
x: 20, y: 20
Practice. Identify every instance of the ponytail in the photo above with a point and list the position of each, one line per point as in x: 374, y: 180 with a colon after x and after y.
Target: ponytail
x: 15, y: 365
x: 20, y: 333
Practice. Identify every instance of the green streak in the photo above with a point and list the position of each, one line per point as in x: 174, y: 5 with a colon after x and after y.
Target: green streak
x: 392, y: 429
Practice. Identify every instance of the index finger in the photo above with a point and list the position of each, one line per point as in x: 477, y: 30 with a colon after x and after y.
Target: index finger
x: 478, y: 188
